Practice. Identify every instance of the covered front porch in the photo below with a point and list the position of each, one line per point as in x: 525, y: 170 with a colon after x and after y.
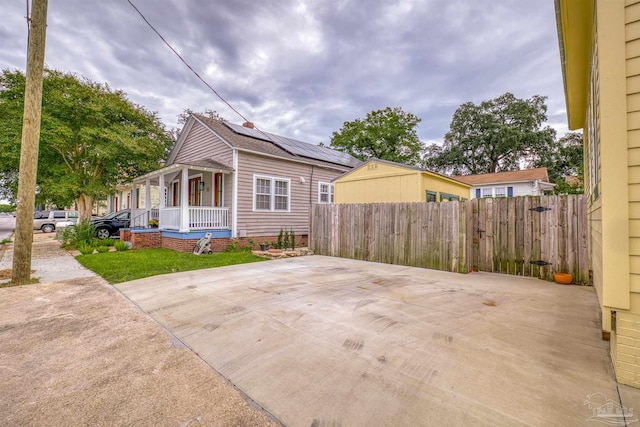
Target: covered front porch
x: 184, y: 197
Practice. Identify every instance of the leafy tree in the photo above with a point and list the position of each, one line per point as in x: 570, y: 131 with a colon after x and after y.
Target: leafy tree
x: 184, y: 116
x: 497, y: 135
x: 565, y: 158
x: 92, y: 138
x: 388, y: 134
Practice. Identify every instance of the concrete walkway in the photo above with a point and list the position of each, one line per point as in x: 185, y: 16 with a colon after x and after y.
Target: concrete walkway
x: 323, y: 341
x: 75, y: 352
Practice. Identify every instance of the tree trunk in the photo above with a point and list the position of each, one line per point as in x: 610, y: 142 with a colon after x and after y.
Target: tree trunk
x: 85, y: 203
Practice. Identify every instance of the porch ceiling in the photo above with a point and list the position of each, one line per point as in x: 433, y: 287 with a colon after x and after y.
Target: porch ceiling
x: 206, y: 165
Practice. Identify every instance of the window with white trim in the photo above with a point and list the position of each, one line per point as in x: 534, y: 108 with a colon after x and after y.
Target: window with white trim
x: 271, y: 193
x: 500, y: 192
x: 487, y: 192
x: 325, y: 192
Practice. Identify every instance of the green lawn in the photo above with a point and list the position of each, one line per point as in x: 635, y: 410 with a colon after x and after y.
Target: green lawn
x: 117, y: 267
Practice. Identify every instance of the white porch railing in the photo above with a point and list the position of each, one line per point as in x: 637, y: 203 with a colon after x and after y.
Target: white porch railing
x: 170, y: 218
x: 200, y: 218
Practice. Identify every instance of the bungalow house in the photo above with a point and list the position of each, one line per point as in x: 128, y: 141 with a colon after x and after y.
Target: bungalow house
x: 234, y: 182
x: 528, y: 182
x: 377, y: 181
x: 600, y: 57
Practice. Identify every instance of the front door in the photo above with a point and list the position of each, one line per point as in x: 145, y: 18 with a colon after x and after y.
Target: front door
x: 175, y: 191
x: 217, y: 190
x: 194, y: 191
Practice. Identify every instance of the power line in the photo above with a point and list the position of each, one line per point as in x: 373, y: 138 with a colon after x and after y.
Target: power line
x: 186, y: 63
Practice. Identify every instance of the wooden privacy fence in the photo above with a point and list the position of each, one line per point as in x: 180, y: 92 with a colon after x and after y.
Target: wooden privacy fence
x: 528, y: 236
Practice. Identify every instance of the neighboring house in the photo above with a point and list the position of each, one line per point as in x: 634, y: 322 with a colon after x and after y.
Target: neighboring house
x: 377, y: 181
x: 529, y: 182
x: 124, y: 195
x: 236, y: 181
x: 600, y: 56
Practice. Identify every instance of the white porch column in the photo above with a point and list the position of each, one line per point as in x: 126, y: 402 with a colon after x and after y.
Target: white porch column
x: 184, y: 200
x: 147, y: 195
x: 134, y: 197
x: 163, y: 201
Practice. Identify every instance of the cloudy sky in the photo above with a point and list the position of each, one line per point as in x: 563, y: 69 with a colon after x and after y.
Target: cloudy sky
x: 301, y: 68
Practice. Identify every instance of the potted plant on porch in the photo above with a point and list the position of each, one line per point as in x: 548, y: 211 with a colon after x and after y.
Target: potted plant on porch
x: 153, y: 223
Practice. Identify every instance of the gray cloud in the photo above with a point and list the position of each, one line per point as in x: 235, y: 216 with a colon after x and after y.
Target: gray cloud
x: 302, y: 68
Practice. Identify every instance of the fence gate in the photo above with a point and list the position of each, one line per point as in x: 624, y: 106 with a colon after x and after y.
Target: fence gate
x: 529, y: 236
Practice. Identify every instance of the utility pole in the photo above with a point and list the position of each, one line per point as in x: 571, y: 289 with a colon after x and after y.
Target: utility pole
x: 21, y: 272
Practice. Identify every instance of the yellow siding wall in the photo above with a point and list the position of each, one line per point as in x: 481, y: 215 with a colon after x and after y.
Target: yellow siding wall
x: 632, y: 34
x: 376, y: 182
x: 439, y: 184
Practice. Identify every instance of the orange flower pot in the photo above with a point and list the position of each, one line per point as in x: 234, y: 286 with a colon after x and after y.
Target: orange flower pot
x: 563, y: 278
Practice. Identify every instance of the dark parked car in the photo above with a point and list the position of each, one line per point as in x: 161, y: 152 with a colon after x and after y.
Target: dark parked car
x: 110, y: 224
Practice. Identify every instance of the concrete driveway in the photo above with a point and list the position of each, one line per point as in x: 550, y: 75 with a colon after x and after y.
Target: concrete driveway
x: 320, y: 341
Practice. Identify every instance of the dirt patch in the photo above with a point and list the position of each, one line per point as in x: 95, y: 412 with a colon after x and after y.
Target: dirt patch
x: 5, y: 274
x: 79, y: 353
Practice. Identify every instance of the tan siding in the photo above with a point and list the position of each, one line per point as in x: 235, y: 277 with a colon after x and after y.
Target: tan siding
x: 633, y: 84
x: 634, y: 210
x: 634, y: 156
x: 201, y: 143
x: 634, y: 180
x: 633, y: 49
x: 632, y: 31
x: 634, y: 228
x: 633, y: 139
x: 633, y: 66
x: 632, y: 12
x: 595, y: 248
x: 633, y: 121
x: 269, y: 223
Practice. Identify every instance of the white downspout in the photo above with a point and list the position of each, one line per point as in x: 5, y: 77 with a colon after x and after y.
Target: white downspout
x: 234, y: 197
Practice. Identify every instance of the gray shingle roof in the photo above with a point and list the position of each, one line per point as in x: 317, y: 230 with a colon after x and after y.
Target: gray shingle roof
x: 261, y: 145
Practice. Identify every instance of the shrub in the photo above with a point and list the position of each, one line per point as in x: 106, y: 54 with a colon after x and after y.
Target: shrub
x: 280, y: 239
x: 81, y: 234
x: 102, y: 249
x: 121, y: 246
x: 285, y: 243
x: 85, y: 249
x: 293, y: 240
x: 106, y: 242
x: 235, y: 247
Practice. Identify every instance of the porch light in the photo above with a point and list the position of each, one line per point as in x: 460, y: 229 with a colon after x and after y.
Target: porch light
x: 201, y: 185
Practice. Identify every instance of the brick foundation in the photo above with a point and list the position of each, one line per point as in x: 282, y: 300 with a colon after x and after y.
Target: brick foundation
x: 625, y: 348
x: 125, y: 235
x: 154, y: 239
x: 146, y: 240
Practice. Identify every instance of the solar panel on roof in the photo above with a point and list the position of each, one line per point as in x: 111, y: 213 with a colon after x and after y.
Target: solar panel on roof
x: 298, y: 148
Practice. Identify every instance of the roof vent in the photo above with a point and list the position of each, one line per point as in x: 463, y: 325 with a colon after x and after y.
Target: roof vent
x: 248, y: 125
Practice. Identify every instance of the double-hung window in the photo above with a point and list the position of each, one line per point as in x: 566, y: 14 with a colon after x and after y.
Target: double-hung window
x: 271, y: 193
x: 325, y: 192
x: 500, y: 192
